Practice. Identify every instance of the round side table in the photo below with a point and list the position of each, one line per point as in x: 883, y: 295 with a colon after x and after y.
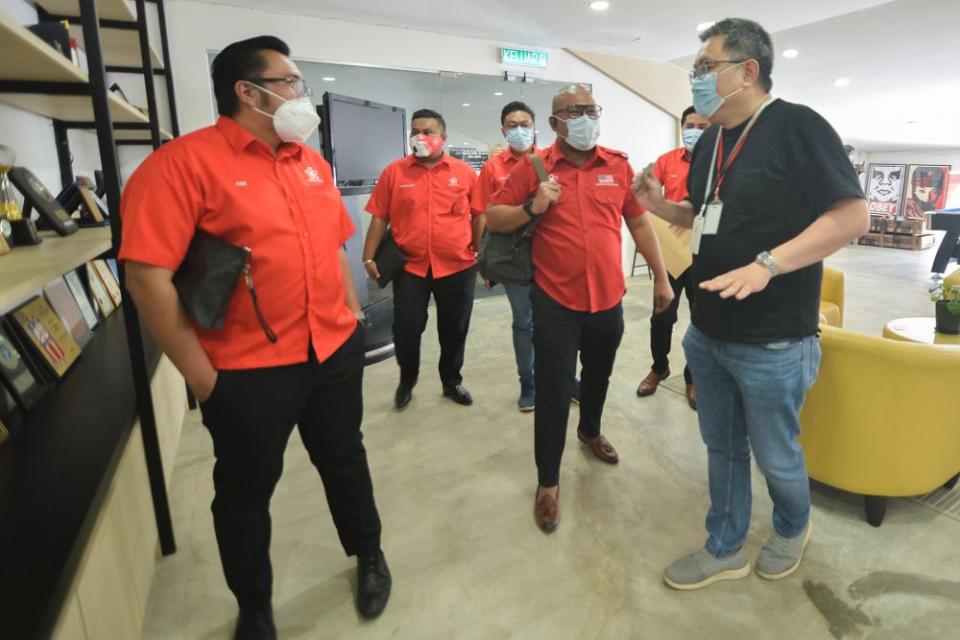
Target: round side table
x: 921, y: 330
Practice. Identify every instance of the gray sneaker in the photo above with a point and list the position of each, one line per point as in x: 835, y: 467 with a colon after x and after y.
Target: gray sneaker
x: 700, y: 569
x: 527, y: 401
x: 781, y: 556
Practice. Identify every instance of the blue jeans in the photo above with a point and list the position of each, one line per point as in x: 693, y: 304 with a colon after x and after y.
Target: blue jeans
x: 519, y: 296
x: 749, y: 396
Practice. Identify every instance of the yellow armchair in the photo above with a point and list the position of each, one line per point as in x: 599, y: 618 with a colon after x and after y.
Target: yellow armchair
x: 831, y: 297
x: 879, y: 421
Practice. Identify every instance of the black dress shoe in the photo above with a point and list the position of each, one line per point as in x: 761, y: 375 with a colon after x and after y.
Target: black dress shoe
x: 458, y: 394
x: 256, y: 624
x: 373, y: 585
x: 403, y: 395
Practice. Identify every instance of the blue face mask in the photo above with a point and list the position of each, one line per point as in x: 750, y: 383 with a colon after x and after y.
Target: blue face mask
x: 706, y: 100
x: 520, y: 138
x: 690, y: 137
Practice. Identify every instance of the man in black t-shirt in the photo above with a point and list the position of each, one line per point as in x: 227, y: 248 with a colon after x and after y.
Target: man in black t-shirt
x: 771, y: 193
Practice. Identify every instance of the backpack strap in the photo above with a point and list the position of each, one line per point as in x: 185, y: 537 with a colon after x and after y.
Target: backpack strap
x: 542, y: 176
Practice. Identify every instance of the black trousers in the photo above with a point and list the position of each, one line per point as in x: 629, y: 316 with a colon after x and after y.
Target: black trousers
x: 250, y: 415
x: 558, y: 334
x: 411, y: 297
x: 661, y: 326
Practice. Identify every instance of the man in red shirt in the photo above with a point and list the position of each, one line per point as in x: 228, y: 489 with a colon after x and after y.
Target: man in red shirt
x: 517, y: 123
x: 671, y: 169
x: 293, y: 356
x: 578, y: 278
x: 425, y: 199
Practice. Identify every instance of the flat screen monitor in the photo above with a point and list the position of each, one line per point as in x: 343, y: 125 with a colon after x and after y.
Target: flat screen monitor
x: 360, y: 138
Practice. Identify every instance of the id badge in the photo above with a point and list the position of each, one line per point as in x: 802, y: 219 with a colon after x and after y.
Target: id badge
x: 696, y: 235
x: 711, y: 221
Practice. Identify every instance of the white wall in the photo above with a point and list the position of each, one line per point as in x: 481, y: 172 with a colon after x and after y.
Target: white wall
x: 630, y: 123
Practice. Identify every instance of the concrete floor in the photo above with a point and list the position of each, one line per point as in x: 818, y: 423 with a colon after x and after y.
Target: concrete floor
x: 455, y: 488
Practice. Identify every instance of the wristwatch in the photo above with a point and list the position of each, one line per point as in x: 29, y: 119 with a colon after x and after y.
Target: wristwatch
x: 528, y: 208
x: 766, y: 259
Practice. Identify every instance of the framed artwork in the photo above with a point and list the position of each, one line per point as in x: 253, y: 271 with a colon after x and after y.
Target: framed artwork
x: 35, y: 194
x: 15, y: 376
x: 65, y: 304
x: 927, y: 186
x: 885, y: 183
x: 40, y: 326
x: 109, y: 281
x: 80, y: 295
x: 100, y: 296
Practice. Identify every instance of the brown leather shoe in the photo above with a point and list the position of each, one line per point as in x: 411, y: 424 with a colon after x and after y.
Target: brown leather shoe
x: 648, y: 386
x: 546, y: 511
x: 692, y: 397
x: 601, y: 447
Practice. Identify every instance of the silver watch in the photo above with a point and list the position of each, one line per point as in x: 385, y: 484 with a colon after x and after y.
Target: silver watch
x: 766, y: 259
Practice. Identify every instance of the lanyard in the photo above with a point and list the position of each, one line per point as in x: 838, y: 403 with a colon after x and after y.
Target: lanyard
x: 717, y: 155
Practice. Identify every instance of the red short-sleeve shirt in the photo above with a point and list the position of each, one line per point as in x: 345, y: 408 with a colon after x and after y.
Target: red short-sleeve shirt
x: 577, y: 243
x: 492, y: 177
x: 284, y: 207
x: 429, y: 213
x: 672, y: 169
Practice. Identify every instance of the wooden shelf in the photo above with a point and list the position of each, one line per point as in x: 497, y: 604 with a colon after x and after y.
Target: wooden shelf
x: 121, y: 47
x: 25, y: 57
x: 106, y: 9
x: 26, y: 269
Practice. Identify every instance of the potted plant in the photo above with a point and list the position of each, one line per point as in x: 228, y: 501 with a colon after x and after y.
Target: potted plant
x: 947, y: 299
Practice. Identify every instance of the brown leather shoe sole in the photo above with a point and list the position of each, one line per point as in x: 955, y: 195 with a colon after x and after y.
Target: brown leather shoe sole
x: 648, y: 386
x: 546, y: 512
x: 601, y: 447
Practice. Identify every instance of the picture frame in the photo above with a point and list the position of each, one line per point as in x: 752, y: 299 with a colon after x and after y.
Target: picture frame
x: 885, y: 187
x: 16, y: 376
x: 37, y: 196
x: 41, y: 328
x: 103, y: 300
x: 110, y: 283
x: 80, y: 295
x: 926, y: 189
x: 65, y: 304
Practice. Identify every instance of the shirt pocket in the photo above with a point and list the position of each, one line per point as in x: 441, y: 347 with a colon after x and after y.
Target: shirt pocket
x: 609, y: 204
x: 454, y: 202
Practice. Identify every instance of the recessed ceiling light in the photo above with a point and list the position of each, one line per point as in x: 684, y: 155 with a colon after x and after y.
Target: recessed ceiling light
x: 498, y: 93
x: 465, y: 104
x: 912, y: 122
x: 841, y: 82
x: 790, y: 53
x: 329, y: 79
x: 703, y: 26
x: 600, y: 5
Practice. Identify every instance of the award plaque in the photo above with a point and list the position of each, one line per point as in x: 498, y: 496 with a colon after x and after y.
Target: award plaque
x: 16, y: 376
x: 100, y: 295
x: 42, y: 329
x: 68, y: 309
x: 89, y: 207
x: 36, y: 195
x: 80, y: 295
x: 109, y: 281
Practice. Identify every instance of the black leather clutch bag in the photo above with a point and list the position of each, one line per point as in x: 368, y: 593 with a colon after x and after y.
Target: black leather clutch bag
x: 389, y: 259
x: 207, y: 277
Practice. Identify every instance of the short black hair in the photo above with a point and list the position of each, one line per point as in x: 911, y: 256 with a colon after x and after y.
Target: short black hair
x: 429, y: 113
x: 516, y: 105
x: 686, y: 112
x: 240, y: 61
x: 745, y: 40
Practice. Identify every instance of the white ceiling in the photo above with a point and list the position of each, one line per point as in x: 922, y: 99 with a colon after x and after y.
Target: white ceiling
x: 902, y: 57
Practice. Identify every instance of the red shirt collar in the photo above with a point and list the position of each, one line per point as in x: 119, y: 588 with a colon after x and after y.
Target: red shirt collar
x: 241, y: 139
x: 411, y: 159
x: 554, y: 154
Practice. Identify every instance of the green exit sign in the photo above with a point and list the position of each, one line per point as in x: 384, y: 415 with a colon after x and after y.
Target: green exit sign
x: 523, y: 57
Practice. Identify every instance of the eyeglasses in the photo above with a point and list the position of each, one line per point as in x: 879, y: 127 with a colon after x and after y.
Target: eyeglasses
x: 296, y: 83
x: 578, y: 110
x: 514, y: 125
x: 709, y: 66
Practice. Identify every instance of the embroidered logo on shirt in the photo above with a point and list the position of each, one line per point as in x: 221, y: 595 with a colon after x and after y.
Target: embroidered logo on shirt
x: 407, y: 186
x: 454, y: 182
x: 553, y: 178
x: 606, y: 180
x: 240, y: 183
x: 313, y: 175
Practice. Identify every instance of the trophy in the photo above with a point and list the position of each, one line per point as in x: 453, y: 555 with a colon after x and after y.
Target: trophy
x: 9, y: 209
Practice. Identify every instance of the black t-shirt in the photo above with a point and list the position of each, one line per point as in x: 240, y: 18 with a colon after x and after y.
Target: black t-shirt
x: 791, y: 169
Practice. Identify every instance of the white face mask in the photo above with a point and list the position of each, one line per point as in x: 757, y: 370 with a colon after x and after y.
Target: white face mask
x: 582, y: 132
x: 295, y: 119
